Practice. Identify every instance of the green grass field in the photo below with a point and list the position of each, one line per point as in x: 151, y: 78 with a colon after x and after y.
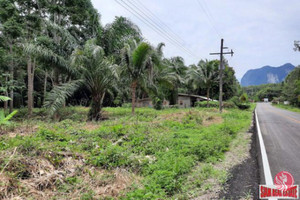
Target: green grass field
x: 287, y: 107
x: 152, y: 155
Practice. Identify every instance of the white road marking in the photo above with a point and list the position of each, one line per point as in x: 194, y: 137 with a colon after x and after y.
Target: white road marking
x: 265, y: 161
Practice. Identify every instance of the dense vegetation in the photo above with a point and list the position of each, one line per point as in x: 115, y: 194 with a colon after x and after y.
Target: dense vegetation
x: 151, y: 155
x: 57, y: 53
x: 289, y: 90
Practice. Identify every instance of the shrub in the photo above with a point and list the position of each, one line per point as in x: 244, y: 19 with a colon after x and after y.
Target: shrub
x: 158, y: 103
x: 215, y: 104
x: 228, y: 104
x: 111, y: 157
x: 126, y: 105
x: 203, y: 104
x: 244, y: 98
x: 51, y: 135
x: 240, y: 102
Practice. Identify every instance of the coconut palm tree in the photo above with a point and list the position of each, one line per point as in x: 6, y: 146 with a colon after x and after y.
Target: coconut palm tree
x: 204, y: 75
x: 95, y: 72
x: 137, y: 59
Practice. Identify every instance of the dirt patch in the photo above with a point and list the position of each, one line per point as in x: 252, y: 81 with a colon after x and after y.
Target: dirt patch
x: 209, y: 120
x: 173, y: 116
x: 23, y: 131
x: 90, y: 126
x: 244, y: 180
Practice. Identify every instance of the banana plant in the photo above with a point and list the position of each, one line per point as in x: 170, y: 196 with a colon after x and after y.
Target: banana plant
x: 4, y: 120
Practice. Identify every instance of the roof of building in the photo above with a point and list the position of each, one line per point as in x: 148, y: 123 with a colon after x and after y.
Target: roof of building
x: 193, y: 95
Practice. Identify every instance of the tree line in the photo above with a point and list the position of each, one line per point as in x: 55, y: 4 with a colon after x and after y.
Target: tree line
x: 55, y: 53
x: 288, y: 90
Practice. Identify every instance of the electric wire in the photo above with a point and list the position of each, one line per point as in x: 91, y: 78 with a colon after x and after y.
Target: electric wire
x: 161, y: 23
x: 153, y: 26
x: 210, y: 20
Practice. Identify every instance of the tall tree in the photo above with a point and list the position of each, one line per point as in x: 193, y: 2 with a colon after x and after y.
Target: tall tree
x: 291, y: 89
x: 115, y: 35
x: 204, y: 75
x: 137, y: 61
x: 11, y: 31
x: 178, y: 68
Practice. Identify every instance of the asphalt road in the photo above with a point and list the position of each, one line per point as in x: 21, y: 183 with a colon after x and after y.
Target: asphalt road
x: 281, y: 134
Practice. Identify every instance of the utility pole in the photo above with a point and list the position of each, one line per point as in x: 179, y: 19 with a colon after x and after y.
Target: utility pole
x: 221, y: 72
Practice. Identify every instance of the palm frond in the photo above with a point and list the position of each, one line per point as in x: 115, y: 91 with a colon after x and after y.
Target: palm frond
x: 140, y: 55
x: 4, y: 98
x: 58, y: 95
x: 47, y: 55
x: 64, y: 33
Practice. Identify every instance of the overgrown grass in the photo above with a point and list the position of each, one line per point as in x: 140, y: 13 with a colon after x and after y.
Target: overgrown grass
x: 287, y: 107
x: 160, y: 147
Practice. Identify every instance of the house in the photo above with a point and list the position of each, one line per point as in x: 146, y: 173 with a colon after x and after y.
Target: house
x: 189, y: 100
x: 147, y: 102
x: 183, y: 101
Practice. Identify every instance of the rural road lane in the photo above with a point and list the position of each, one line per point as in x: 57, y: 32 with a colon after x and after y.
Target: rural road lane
x: 281, y: 134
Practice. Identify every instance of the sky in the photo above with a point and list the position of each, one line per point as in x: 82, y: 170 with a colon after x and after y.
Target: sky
x: 260, y: 32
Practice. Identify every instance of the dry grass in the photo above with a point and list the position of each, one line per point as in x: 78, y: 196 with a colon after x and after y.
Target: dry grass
x: 38, y: 178
x: 209, y: 118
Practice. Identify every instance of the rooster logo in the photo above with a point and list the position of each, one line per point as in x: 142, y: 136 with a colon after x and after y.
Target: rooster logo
x: 284, y: 180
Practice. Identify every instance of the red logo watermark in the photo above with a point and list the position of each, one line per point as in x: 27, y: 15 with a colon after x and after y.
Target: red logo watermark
x: 284, y: 180
x: 284, y: 187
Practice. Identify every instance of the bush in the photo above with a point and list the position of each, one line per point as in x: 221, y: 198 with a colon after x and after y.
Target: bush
x: 240, y: 102
x: 203, y: 104
x: 113, y: 156
x: 229, y: 104
x: 244, y: 98
x: 215, y: 104
x: 158, y: 103
x: 126, y: 105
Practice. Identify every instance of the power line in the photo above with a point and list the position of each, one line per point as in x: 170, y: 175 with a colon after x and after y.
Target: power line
x: 148, y: 18
x: 153, y: 26
x: 209, y: 13
x: 209, y: 17
x: 157, y: 29
x: 160, y: 21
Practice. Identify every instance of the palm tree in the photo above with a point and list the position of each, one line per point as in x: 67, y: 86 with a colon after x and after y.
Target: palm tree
x: 177, y: 66
x: 204, y: 75
x: 96, y: 73
x: 138, y: 61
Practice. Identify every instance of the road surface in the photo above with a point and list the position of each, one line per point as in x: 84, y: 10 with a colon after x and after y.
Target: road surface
x: 281, y: 134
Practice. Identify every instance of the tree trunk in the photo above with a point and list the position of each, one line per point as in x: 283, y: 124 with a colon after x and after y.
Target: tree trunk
x: 133, y: 90
x: 45, y: 86
x: 95, y: 110
x: 207, y: 97
x: 6, y: 94
x: 5, y: 103
x: 11, y: 102
x: 30, y: 72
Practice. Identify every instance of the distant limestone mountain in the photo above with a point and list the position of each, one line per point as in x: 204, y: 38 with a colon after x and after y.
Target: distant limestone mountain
x: 266, y: 74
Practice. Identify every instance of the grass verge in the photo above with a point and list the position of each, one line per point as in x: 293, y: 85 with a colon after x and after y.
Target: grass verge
x: 287, y: 107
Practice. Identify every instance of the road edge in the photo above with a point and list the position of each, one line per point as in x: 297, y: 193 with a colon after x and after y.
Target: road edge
x: 263, y: 157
